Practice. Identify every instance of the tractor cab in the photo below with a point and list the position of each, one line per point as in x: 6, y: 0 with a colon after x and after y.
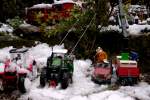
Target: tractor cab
x: 59, y: 69
x: 21, y: 58
x: 56, y: 59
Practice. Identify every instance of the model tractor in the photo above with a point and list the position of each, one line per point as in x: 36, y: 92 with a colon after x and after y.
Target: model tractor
x: 59, y: 69
x: 127, y: 70
x: 14, y: 70
x: 102, y: 72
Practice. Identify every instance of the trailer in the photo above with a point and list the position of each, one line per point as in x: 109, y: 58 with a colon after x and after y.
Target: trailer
x: 127, y: 70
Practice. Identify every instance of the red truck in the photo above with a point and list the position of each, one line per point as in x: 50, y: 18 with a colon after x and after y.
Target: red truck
x: 102, y: 73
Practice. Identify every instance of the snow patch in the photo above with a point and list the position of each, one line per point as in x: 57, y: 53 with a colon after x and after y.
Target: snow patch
x: 27, y: 84
x: 5, y: 28
x: 63, y: 1
x: 4, y: 53
x: 133, y: 29
x: 42, y: 6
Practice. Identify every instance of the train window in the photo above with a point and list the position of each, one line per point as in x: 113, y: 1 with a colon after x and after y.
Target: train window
x: 58, y: 7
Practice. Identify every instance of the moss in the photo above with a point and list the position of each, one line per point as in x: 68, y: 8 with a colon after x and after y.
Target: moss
x: 2, y: 33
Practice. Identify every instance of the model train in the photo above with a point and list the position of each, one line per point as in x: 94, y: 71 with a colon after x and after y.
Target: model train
x: 49, y: 13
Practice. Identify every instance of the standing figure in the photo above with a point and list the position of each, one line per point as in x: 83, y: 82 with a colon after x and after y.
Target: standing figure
x: 100, y: 55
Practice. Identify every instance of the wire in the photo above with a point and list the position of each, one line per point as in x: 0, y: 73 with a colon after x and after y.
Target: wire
x: 68, y: 32
x: 82, y: 34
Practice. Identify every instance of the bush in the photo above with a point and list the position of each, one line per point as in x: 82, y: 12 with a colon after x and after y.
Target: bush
x: 15, y: 22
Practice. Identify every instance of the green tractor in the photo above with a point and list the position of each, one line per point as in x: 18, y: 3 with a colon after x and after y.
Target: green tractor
x: 59, y: 69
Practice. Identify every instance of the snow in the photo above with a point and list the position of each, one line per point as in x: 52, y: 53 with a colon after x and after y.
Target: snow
x: 42, y: 51
x: 137, y: 9
x: 12, y: 67
x: 63, y: 1
x: 136, y: 17
x: 5, y: 53
x: 5, y: 28
x: 141, y: 91
x: 148, y: 19
x: 42, y: 6
x: 134, y: 29
x: 56, y: 2
x: 112, y: 18
x: 60, y: 51
x: 110, y: 95
x: 28, y: 84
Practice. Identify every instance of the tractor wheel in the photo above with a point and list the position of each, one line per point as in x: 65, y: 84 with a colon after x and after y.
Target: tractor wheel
x: 130, y: 81
x: 94, y: 80
x: 65, y: 81
x: 21, y: 85
x: 135, y: 80
x: 42, y: 79
x: 123, y: 81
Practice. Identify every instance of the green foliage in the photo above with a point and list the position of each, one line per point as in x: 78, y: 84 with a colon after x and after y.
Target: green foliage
x: 15, y: 22
x: 77, y: 23
x: 2, y: 33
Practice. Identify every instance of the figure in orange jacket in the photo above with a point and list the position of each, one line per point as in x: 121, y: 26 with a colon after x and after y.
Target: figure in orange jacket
x: 100, y: 55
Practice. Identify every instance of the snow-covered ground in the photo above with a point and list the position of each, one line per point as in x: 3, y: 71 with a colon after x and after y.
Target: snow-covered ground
x: 132, y: 30
x: 82, y: 88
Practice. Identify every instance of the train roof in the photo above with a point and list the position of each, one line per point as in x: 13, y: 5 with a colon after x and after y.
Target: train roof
x: 64, y: 1
x: 38, y: 6
x: 128, y: 61
x: 60, y: 51
x: 15, y: 50
x: 43, y: 5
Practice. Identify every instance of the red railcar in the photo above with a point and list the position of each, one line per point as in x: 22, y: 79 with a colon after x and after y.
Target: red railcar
x: 49, y: 13
x: 127, y: 72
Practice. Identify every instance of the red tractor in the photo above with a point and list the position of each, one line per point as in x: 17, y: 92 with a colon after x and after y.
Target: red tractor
x: 102, y: 73
x: 14, y: 71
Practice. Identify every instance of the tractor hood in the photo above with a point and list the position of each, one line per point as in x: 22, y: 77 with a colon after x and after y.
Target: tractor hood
x: 23, y: 71
x: 102, y: 71
x: 2, y: 67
